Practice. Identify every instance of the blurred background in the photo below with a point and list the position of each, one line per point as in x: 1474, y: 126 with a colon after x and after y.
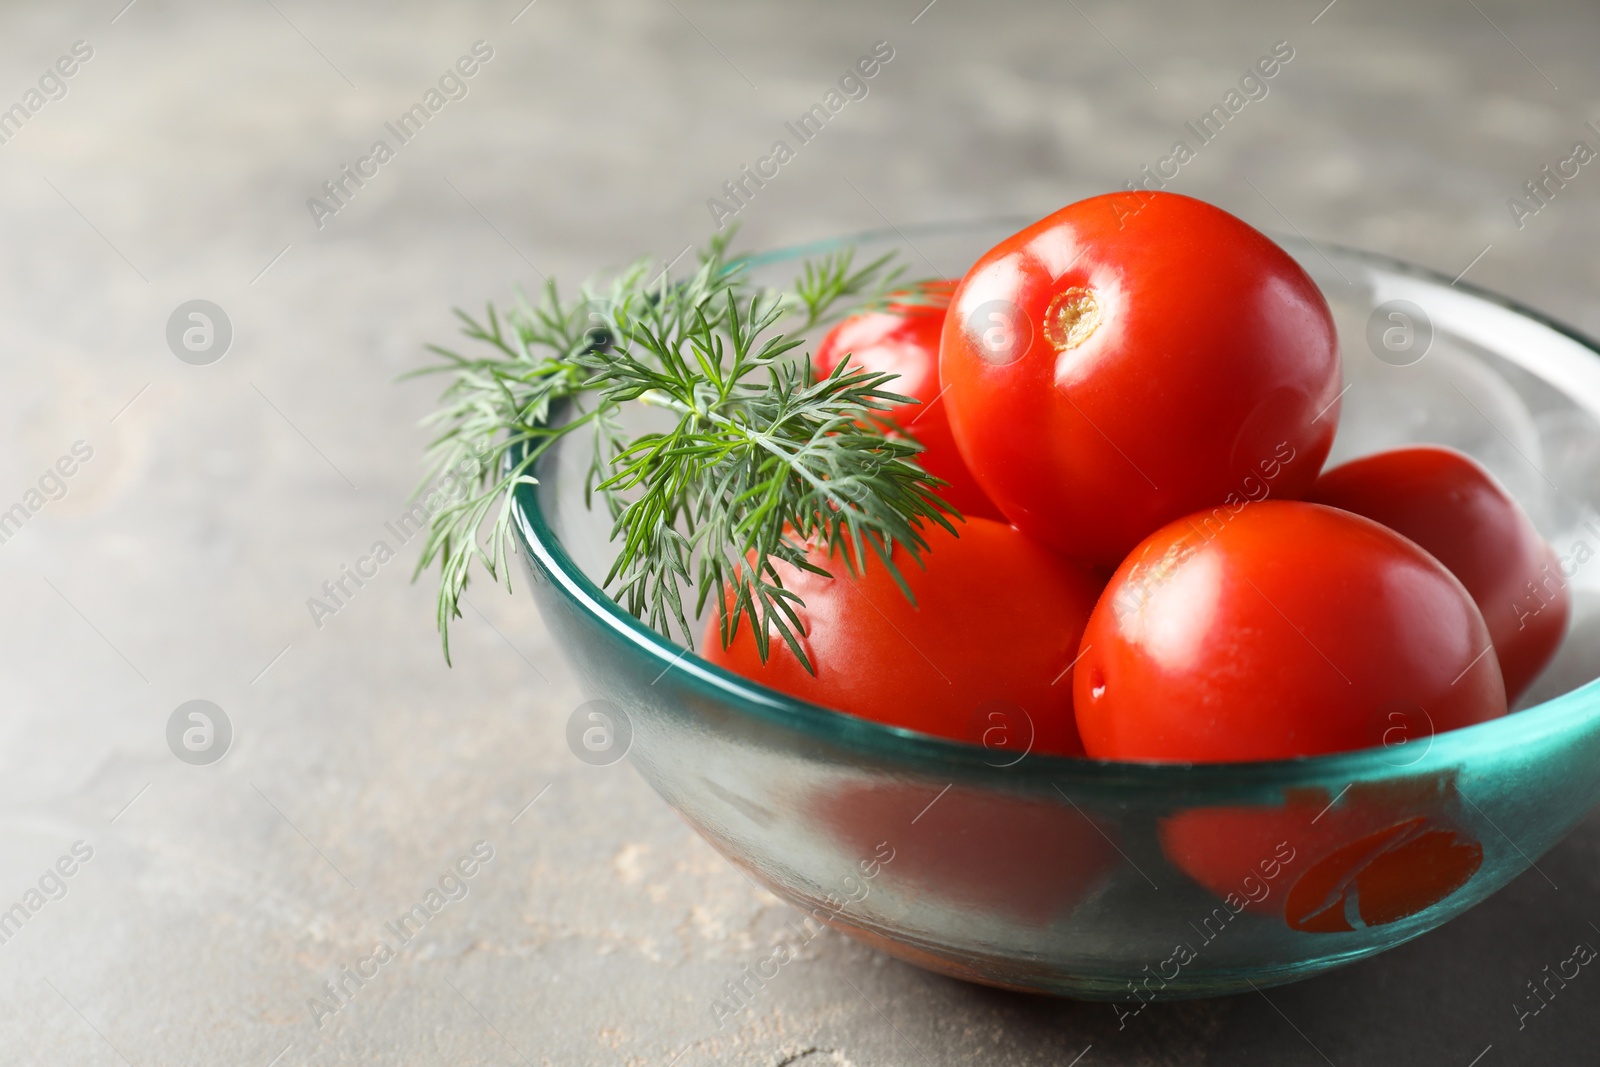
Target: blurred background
x: 160, y: 153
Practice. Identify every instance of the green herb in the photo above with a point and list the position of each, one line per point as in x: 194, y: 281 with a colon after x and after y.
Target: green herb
x: 764, y: 458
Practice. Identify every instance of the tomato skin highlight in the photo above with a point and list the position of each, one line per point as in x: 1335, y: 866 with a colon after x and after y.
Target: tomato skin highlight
x: 1192, y: 350
x: 904, y: 340
x: 996, y: 623
x: 1451, y: 506
x: 1292, y: 630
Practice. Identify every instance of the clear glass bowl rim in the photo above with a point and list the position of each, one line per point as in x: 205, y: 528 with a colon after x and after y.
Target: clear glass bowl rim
x: 918, y: 752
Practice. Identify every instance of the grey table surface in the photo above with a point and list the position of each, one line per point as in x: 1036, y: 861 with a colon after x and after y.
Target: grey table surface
x: 178, y: 164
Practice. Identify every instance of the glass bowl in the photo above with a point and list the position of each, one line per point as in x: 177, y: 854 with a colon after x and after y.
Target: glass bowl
x: 1135, y: 882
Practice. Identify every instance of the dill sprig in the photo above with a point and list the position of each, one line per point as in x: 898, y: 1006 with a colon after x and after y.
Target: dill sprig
x: 763, y: 459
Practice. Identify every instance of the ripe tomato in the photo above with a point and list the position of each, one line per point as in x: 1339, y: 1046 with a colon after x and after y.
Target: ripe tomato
x: 983, y: 655
x: 1131, y: 359
x: 1371, y: 854
x: 903, y: 339
x: 1289, y: 629
x: 1451, y: 506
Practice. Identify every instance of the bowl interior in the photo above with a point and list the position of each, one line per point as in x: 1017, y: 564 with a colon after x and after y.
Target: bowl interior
x: 1463, y: 368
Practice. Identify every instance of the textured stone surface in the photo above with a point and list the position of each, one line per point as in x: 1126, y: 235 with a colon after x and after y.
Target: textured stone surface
x: 178, y: 564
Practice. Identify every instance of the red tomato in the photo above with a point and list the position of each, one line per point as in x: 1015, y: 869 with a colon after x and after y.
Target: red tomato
x: 1287, y: 629
x: 1373, y: 853
x: 903, y: 339
x: 983, y: 655
x: 1451, y: 506
x: 1134, y: 358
